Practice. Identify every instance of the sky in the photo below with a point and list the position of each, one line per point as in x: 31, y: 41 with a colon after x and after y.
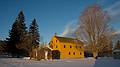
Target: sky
x: 53, y: 16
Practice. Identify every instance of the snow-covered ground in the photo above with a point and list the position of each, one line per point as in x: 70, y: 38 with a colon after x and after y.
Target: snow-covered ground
x: 87, y: 62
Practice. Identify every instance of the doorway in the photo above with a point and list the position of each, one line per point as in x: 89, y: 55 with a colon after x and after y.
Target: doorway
x: 55, y: 54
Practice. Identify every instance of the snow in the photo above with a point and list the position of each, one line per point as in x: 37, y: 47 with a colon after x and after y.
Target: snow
x: 26, y: 58
x: 117, y: 50
x: 87, y: 62
x: 107, y: 62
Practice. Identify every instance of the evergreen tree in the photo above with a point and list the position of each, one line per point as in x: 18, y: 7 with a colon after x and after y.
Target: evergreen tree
x: 34, y: 34
x: 13, y: 39
x: 3, y: 46
x: 17, y: 35
x: 117, y: 46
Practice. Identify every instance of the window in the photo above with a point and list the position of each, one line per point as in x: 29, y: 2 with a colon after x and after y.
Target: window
x: 56, y: 46
x: 56, y: 41
x: 69, y: 53
x: 80, y: 46
x: 64, y: 46
x: 51, y: 46
x: 80, y: 53
x: 73, y: 53
x: 70, y: 46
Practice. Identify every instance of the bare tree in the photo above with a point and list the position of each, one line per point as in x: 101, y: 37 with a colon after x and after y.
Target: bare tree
x: 94, y: 28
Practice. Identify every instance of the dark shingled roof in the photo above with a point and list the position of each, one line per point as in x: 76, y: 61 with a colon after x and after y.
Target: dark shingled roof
x: 69, y: 40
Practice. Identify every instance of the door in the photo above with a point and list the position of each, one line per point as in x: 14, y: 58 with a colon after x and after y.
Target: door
x: 55, y: 54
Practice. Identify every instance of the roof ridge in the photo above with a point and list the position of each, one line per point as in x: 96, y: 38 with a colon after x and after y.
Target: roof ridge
x: 65, y: 37
x: 68, y: 39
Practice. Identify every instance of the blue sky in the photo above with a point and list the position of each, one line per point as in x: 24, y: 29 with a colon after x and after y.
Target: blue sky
x: 52, y: 15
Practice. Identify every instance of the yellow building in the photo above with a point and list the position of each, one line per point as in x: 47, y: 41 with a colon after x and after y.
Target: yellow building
x: 66, y: 48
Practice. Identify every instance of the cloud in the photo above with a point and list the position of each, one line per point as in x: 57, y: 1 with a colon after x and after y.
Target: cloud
x: 67, y: 30
x: 116, y: 36
x: 116, y: 32
x: 114, y: 11
x: 70, y: 28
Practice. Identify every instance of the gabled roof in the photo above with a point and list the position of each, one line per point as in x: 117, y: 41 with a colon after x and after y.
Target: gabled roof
x: 69, y: 40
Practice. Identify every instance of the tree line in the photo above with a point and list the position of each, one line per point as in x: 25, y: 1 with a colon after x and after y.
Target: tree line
x: 21, y: 39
